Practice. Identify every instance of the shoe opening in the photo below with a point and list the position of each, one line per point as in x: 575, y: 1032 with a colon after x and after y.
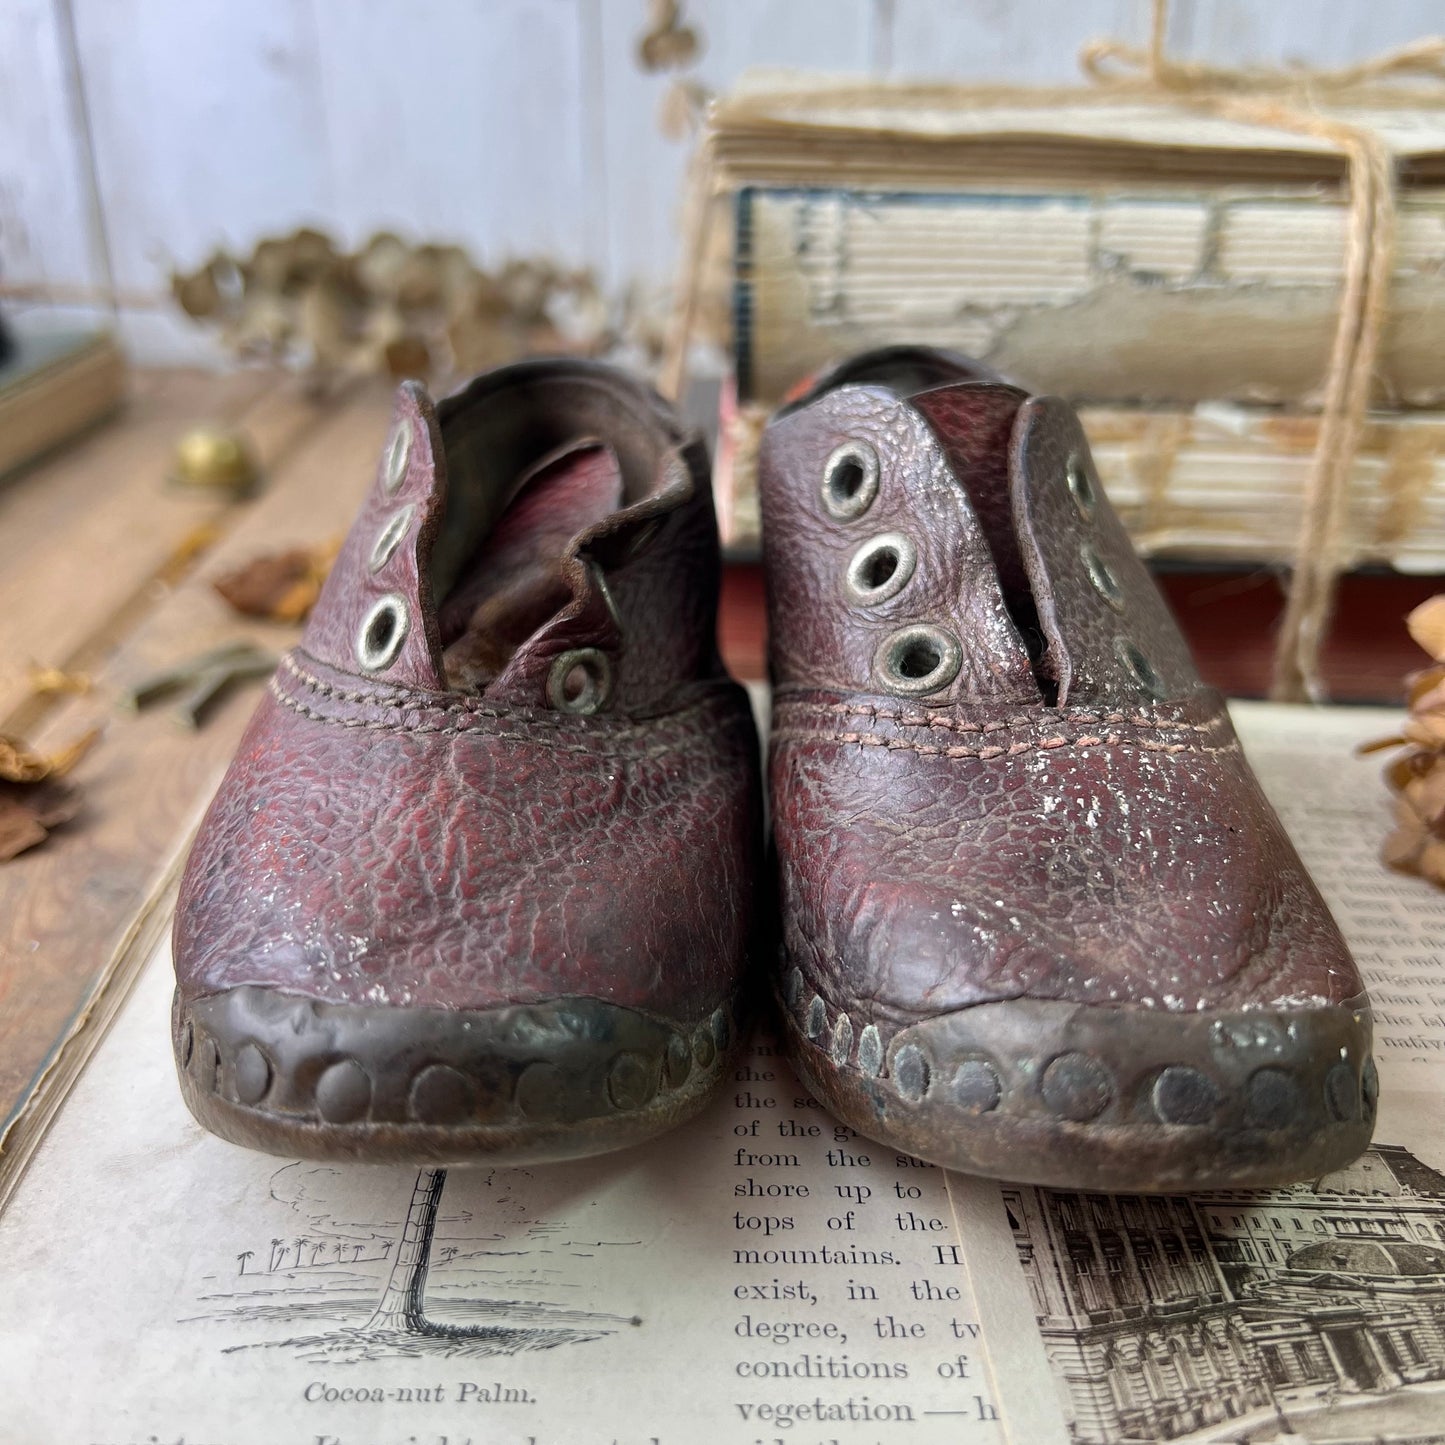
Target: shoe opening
x: 536, y: 456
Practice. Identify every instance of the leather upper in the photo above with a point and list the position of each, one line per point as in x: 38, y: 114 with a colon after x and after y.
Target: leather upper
x: 1067, y: 814
x: 385, y: 836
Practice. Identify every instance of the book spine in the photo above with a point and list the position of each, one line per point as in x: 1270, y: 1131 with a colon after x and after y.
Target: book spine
x: 1168, y: 296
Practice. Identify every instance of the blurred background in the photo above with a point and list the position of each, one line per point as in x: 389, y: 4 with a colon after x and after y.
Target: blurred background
x: 137, y: 136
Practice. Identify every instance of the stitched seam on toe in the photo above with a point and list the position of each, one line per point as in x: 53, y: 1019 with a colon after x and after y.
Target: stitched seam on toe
x: 1013, y: 750
x: 959, y: 725
x: 598, y: 748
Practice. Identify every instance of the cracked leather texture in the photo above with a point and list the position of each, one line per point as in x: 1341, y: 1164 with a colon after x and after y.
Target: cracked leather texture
x: 381, y: 840
x: 816, y: 637
x: 978, y: 844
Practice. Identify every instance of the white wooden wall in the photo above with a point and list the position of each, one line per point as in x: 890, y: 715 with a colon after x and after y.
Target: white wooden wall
x: 138, y: 134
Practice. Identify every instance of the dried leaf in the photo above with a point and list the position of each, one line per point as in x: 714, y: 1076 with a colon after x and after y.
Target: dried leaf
x: 407, y: 357
x: 62, y: 762
x: 20, y: 763
x: 196, y: 542
x: 1378, y: 745
x: 1427, y: 626
x: 1430, y: 862
x: 54, y: 681
x: 280, y: 586
x: 1425, y: 729
x: 197, y: 294
x: 391, y: 307
x: 1401, y: 848
x: 667, y: 44
x: 681, y: 110
x: 1421, y: 687
x: 27, y: 814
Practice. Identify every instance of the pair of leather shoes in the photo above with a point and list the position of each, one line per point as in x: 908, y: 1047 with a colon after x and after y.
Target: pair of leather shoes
x: 484, y: 877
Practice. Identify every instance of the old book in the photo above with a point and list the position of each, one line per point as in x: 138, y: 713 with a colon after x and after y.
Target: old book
x: 1176, y: 275
x: 761, y: 1275
x: 52, y: 388
x: 1104, y: 250
x: 1155, y: 293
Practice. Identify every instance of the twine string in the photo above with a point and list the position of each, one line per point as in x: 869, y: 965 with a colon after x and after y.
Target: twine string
x: 1286, y: 100
x: 1281, y: 99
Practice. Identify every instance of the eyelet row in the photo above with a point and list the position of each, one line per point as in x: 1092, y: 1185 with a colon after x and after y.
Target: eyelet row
x: 579, y: 680
x: 913, y: 660
x: 1083, y: 489
x: 384, y: 629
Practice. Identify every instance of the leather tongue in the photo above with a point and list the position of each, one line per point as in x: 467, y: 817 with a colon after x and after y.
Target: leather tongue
x: 1110, y: 636
x: 974, y: 424
x: 514, y: 583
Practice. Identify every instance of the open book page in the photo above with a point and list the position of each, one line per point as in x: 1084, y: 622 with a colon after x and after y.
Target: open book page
x: 761, y: 1274
x: 1313, y: 1313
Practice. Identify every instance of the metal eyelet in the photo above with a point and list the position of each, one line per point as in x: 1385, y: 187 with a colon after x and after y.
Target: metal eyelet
x: 850, y: 481
x: 917, y: 659
x: 382, y: 632
x: 881, y: 568
x: 396, y: 458
x: 1081, y: 486
x: 1100, y: 574
x: 580, y: 681
x: 1141, y: 671
x: 389, y: 538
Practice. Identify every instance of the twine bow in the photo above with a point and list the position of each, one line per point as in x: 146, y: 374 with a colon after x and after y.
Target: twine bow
x: 1286, y: 100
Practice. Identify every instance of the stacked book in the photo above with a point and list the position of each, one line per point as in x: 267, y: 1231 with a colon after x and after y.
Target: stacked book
x: 1176, y: 275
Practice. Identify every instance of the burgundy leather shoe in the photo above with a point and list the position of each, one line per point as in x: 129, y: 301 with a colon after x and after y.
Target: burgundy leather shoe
x: 480, y: 878
x: 1039, y: 921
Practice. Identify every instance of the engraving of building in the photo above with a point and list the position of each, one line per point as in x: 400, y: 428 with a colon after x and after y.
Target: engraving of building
x: 1163, y: 1316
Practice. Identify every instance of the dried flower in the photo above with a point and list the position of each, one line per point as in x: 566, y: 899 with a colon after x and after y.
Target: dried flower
x: 33, y: 800
x: 1417, y: 776
x: 391, y: 308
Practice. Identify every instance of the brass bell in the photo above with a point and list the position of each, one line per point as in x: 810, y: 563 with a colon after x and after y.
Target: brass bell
x: 212, y: 458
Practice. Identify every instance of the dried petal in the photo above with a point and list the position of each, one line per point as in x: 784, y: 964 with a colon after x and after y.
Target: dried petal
x: 29, y: 811
x: 1421, y: 685
x: 19, y: 764
x: 54, y: 681
x: 1431, y: 861
x: 1378, y: 745
x: 667, y: 44
x: 1401, y: 848
x: 1425, y: 729
x: 1427, y: 626
x: 63, y: 761
x: 22, y: 764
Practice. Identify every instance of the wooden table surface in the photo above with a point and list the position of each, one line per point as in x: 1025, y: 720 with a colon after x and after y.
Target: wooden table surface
x: 106, y: 568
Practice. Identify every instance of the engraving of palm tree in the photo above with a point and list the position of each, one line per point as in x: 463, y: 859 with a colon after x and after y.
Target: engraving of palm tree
x: 403, y: 1304
x: 245, y: 1254
x: 278, y: 1252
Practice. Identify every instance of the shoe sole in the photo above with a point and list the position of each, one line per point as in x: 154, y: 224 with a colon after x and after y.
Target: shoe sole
x: 1116, y: 1100
x: 287, y: 1075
